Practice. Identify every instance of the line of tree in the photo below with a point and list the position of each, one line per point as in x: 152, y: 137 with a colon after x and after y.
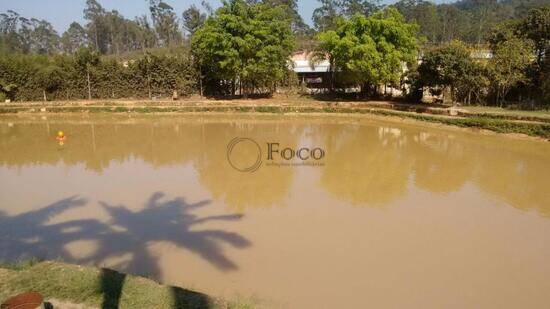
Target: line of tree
x: 108, y: 32
x: 367, y: 51
x: 470, y: 21
x: 517, y: 68
x: 243, y: 47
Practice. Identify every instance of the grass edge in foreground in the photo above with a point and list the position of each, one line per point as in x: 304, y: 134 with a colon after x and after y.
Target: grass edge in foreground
x: 101, y: 288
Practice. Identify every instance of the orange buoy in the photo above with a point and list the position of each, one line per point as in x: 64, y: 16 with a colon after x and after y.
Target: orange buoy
x: 61, y: 138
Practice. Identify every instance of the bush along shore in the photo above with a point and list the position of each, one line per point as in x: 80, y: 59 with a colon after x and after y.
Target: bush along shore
x: 64, y: 285
x: 537, y: 126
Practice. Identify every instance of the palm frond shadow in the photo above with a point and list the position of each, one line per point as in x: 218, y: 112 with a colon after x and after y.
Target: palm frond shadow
x: 127, y: 233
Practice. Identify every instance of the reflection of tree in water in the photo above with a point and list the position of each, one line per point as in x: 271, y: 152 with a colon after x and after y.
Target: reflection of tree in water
x: 371, y: 165
x: 97, y: 143
x: 365, y: 166
x: 268, y: 186
x: 441, y: 163
x: 162, y: 141
x: 129, y: 233
x: 445, y: 163
x: 521, y: 181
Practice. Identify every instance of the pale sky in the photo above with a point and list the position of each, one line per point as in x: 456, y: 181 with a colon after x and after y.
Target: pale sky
x: 61, y: 13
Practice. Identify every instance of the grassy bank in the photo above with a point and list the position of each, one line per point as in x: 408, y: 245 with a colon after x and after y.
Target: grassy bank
x: 100, y: 288
x: 537, y: 125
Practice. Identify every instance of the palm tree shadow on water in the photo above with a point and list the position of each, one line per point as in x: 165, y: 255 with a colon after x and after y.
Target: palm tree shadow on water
x: 169, y: 221
x: 128, y: 233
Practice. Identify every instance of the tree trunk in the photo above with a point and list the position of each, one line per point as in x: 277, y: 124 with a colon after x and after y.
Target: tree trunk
x: 240, y: 86
x: 498, y: 94
x: 96, y: 39
x: 89, y: 84
x: 200, y: 85
x: 44, y: 93
x: 149, y: 86
x: 363, y: 89
x: 452, y: 96
x: 200, y: 80
x: 331, y: 69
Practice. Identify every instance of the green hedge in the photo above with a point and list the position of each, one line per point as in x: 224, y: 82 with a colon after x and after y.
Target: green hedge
x: 27, y: 77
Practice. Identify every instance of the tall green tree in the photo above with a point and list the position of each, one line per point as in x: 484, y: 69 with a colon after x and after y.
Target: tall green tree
x: 508, y: 65
x: 86, y: 60
x: 453, y: 23
x: 325, y: 16
x: 423, y: 13
x: 145, y: 34
x: 244, y: 44
x: 165, y: 21
x: 369, y: 51
x: 49, y: 78
x: 20, y: 34
x: 94, y: 13
x: 290, y: 8
x: 44, y: 39
x: 364, y: 7
x: 447, y: 66
x: 483, y: 19
x: 10, y: 40
x: 193, y: 19
x: 533, y: 30
x: 74, y: 38
x: 536, y: 27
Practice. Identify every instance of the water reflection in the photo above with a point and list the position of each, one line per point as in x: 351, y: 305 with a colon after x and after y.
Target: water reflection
x: 441, y: 165
x: 375, y: 165
x: 520, y: 180
x: 267, y: 187
x: 367, y: 163
x: 365, y: 166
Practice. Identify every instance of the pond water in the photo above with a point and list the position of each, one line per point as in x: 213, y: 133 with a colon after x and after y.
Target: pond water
x: 393, y: 215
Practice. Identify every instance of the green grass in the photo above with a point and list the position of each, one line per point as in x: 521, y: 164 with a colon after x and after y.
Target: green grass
x: 512, y: 114
x: 101, y: 288
x: 500, y: 126
x: 492, y: 109
x: 496, y: 125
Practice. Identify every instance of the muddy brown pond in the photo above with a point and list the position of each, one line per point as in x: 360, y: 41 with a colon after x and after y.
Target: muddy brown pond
x: 393, y: 215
